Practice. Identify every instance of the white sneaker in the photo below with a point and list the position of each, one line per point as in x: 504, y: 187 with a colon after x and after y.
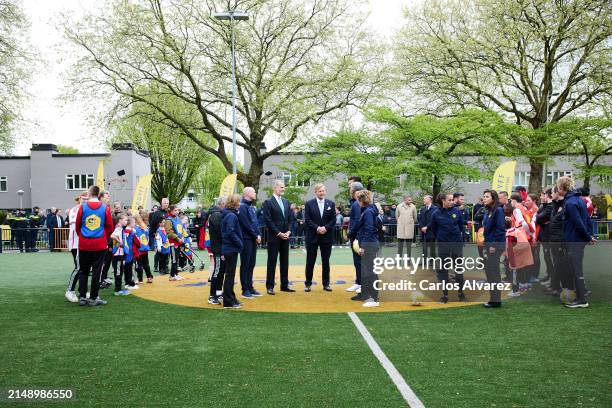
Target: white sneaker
x: 353, y: 288
x: 108, y: 280
x: 132, y: 287
x: 87, y: 295
x: 71, y: 296
x: 514, y: 294
x: 358, y: 291
x: 173, y: 278
x: 178, y: 278
x: 371, y: 303
x: 219, y: 293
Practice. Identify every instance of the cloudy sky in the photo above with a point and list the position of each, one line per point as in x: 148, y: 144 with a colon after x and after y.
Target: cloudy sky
x: 51, y: 119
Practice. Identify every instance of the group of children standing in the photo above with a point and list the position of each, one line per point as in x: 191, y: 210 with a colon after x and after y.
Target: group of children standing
x: 128, y: 247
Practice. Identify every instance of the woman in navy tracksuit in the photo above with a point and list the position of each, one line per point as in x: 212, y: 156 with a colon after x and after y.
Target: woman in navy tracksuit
x: 231, y: 245
x: 494, y: 224
x: 447, y: 224
x: 367, y: 236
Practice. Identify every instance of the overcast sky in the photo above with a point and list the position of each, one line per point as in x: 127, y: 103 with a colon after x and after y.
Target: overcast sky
x: 50, y: 120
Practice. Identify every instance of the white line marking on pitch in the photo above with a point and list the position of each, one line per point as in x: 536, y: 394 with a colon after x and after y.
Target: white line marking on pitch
x: 404, y: 389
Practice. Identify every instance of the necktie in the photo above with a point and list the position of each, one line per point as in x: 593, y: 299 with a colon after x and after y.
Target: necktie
x: 280, y: 203
x: 321, y: 205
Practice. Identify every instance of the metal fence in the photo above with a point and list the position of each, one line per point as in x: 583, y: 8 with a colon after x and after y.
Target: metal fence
x: 33, y: 239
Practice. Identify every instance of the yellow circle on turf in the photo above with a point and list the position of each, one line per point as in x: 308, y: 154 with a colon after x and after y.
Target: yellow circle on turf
x: 194, y: 290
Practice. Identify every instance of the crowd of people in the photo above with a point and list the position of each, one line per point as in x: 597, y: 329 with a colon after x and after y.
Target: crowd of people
x: 555, y: 223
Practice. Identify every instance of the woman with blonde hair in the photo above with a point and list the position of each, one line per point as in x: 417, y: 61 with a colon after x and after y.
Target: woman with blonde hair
x: 231, y: 245
x: 367, y: 236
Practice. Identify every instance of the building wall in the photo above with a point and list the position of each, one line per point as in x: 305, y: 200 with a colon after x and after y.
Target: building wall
x: 43, y: 176
x: 17, y: 172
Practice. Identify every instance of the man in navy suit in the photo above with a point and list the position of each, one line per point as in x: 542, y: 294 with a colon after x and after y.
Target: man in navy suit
x: 276, y: 212
x: 54, y: 221
x: 320, y: 220
x: 427, y: 237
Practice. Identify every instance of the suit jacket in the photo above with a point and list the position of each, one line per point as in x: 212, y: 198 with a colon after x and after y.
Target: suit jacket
x: 52, y: 221
x: 313, y: 220
x: 273, y: 217
x: 424, y: 218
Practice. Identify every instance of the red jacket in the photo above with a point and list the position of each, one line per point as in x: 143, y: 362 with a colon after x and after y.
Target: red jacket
x: 94, y: 244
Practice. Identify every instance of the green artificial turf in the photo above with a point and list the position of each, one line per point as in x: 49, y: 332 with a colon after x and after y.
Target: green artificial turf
x: 136, y: 353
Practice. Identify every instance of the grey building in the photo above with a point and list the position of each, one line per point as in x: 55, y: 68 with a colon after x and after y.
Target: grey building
x: 279, y: 167
x: 48, y: 179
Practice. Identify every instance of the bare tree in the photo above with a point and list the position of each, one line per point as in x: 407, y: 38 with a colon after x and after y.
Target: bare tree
x: 297, y: 63
x: 537, y: 61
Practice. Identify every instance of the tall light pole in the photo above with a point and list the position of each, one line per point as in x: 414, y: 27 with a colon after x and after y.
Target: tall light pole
x: 548, y: 97
x: 232, y: 16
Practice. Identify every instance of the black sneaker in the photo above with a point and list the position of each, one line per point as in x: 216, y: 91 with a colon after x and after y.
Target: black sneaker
x: 443, y: 300
x: 97, y: 302
x: 489, y: 305
x: 83, y: 302
x: 212, y: 300
x: 307, y: 289
x: 576, y: 304
x: 462, y: 297
x: 358, y: 297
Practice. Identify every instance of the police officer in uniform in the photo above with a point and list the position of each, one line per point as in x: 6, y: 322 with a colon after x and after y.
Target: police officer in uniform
x: 32, y: 236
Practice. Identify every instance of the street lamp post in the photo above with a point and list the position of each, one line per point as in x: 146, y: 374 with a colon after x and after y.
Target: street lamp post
x: 20, y: 193
x: 233, y: 16
x: 548, y: 97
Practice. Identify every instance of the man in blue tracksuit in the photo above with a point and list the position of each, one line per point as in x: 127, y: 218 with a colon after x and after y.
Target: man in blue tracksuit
x: 250, y: 230
x: 447, y: 225
x: 354, y: 217
x: 577, y: 234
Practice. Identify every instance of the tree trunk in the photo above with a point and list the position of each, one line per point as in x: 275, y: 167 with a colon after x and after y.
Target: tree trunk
x: 587, y: 178
x: 535, y: 176
x: 253, y: 177
x: 436, y: 187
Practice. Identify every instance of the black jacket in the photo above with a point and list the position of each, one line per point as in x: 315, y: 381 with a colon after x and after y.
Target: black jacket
x: 313, y: 220
x: 555, y: 227
x: 156, y: 218
x: 543, y: 220
x: 215, y: 216
x: 424, y: 217
x: 274, y: 219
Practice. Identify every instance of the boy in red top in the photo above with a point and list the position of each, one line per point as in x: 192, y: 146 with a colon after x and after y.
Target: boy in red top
x: 94, y: 226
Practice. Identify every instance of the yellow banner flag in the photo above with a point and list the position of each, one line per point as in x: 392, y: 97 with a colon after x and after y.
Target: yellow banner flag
x: 142, y: 192
x: 609, y: 202
x: 503, y: 179
x: 228, y: 185
x: 100, y: 175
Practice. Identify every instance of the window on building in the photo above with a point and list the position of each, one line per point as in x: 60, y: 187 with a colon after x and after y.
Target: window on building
x: 473, y: 181
x: 521, y: 178
x: 296, y: 180
x: 3, y: 181
x: 79, y: 181
x: 552, y: 176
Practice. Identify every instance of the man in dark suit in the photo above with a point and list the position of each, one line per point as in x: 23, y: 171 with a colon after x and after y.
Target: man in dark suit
x: 319, y: 219
x: 276, y: 212
x: 427, y: 238
x: 54, y: 220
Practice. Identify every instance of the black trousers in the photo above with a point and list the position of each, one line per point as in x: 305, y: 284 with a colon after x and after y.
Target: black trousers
x: 20, y: 237
x: 229, y: 297
x: 108, y: 260
x: 311, y: 257
x: 400, y: 247
x: 429, y: 247
x: 558, y: 273
x: 163, y: 262
x: 90, y: 260
x: 277, y: 248
x: 534, y: 270
x: 547, y: 251
x: 31, y: 237
x: 492, y: 269
x: 449, y: 251
x: 218, y: 273
x: 356, y: 263
x: 174, y: 258
x: 248, y: 257
x: 75, y: 274
x: 142, y: 263
x: 119, y: 271
x: 575, y: 254
x: 368, y: 277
